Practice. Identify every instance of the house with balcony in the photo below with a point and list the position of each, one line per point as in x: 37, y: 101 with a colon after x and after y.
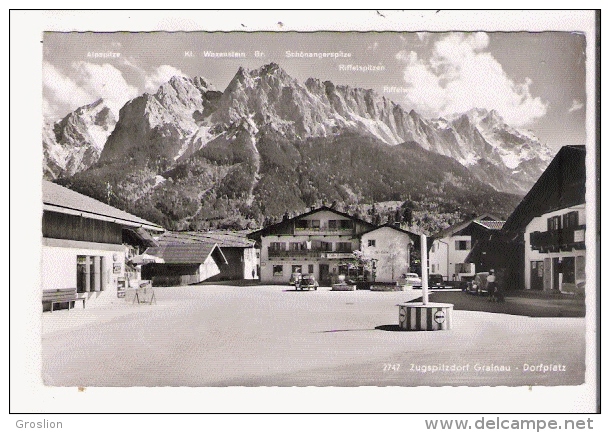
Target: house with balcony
x: 451, y: 247
x: 542, y: 243
x: 552, y: 222
x: 319, y: 242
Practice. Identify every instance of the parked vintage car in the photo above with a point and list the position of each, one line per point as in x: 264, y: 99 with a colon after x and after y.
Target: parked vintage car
x: 478, y: 286
x: 436, y: 281
x: 307, y: 281
x: 412, y: 280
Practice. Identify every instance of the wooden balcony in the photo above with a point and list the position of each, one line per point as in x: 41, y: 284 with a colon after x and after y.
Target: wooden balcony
x: 308, y: 254
x: 564, y: 239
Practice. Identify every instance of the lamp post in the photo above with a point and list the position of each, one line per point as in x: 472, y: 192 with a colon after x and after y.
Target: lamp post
x: 424, y: 268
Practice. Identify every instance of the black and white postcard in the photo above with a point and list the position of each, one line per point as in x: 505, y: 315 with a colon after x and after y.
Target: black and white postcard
x: 396, y: 213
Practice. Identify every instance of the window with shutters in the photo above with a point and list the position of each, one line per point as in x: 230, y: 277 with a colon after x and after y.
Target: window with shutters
x: 278, y: 270
x: 570, y: 220
x: 553, y: 223
x: 277, y: 246
x: 462, y: 245
x: 344, y: 247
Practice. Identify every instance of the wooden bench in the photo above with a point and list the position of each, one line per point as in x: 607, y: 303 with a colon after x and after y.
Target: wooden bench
x: 61, y: 296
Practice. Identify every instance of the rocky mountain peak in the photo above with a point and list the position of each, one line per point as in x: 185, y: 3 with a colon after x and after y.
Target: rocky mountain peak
x: 75, y: 142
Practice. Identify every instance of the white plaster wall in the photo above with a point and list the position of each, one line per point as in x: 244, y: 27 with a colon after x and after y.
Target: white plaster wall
x: 58, y: 270
x: 539, y: 224
x: 391, y: 249
x: 250, y: 263
x: 438, y: 257
x: 267, y: 265
x: 208, y: 269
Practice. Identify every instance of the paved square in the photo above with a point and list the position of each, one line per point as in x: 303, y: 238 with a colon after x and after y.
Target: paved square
x: 274, y: 336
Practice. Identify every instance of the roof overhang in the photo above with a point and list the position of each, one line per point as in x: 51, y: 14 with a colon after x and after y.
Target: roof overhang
x: 100, y: 217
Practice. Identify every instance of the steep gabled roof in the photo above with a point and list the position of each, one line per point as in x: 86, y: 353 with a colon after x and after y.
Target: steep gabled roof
x: 190, y: 253
x: 489, y: 224
x: 486, y: 220
x: 560, y: 186
x: 411, y: 234
x: 288, y: 222
x: 57, y: 198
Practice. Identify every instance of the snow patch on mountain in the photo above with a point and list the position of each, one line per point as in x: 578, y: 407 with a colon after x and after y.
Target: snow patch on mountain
x: 75, y: 142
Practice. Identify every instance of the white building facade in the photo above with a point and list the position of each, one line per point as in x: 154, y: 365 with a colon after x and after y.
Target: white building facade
x: 320, y: 242
x: 447, y: 257
x: 555, y: 251
x: 389, y: 248
x: 452, y: 246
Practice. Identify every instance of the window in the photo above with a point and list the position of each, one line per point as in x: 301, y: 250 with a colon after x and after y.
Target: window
x: 277, y: 246
x: 462, y: 268
x: 296, y: 246
x: 296, y: 268
x: 326, y: 246
x: 333, y: 225
x: 307, y: 224
x: 278, y: 270
x: 570, y: 219
x: 310, y: 268
x: 553, y: 223
x: 345, y: 247
x: 371, y: 243
x: 432, y: 268
x: 432, y: 248
x: 346, y: 225
x: 462, y: 245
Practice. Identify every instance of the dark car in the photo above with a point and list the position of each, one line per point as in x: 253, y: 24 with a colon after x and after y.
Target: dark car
x: 306, y: 281
x: 436, y: 281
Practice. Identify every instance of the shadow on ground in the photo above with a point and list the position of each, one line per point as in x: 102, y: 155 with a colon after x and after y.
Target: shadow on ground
x: 394, y: 328
x: 543, y: 306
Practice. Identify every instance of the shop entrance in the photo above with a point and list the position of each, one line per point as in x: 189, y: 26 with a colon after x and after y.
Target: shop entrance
x: 89, y: 276
x: 324, y: 274
x: 537, y: 275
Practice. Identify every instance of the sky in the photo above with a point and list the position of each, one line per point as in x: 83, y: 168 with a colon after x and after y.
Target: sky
x: 536, y: 81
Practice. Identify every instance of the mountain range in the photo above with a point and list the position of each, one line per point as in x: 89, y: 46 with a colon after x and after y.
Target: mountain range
x: 191, y: 156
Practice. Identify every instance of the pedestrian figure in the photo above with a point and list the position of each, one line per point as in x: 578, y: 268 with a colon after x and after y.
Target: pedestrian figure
x: 491, y: 285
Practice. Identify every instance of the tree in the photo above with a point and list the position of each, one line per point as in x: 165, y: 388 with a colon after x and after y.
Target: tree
x: 365, y: 263
x: 398, y: 256
x: 407, y: 217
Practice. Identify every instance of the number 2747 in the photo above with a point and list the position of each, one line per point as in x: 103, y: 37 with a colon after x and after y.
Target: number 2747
x: 391, y: 367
